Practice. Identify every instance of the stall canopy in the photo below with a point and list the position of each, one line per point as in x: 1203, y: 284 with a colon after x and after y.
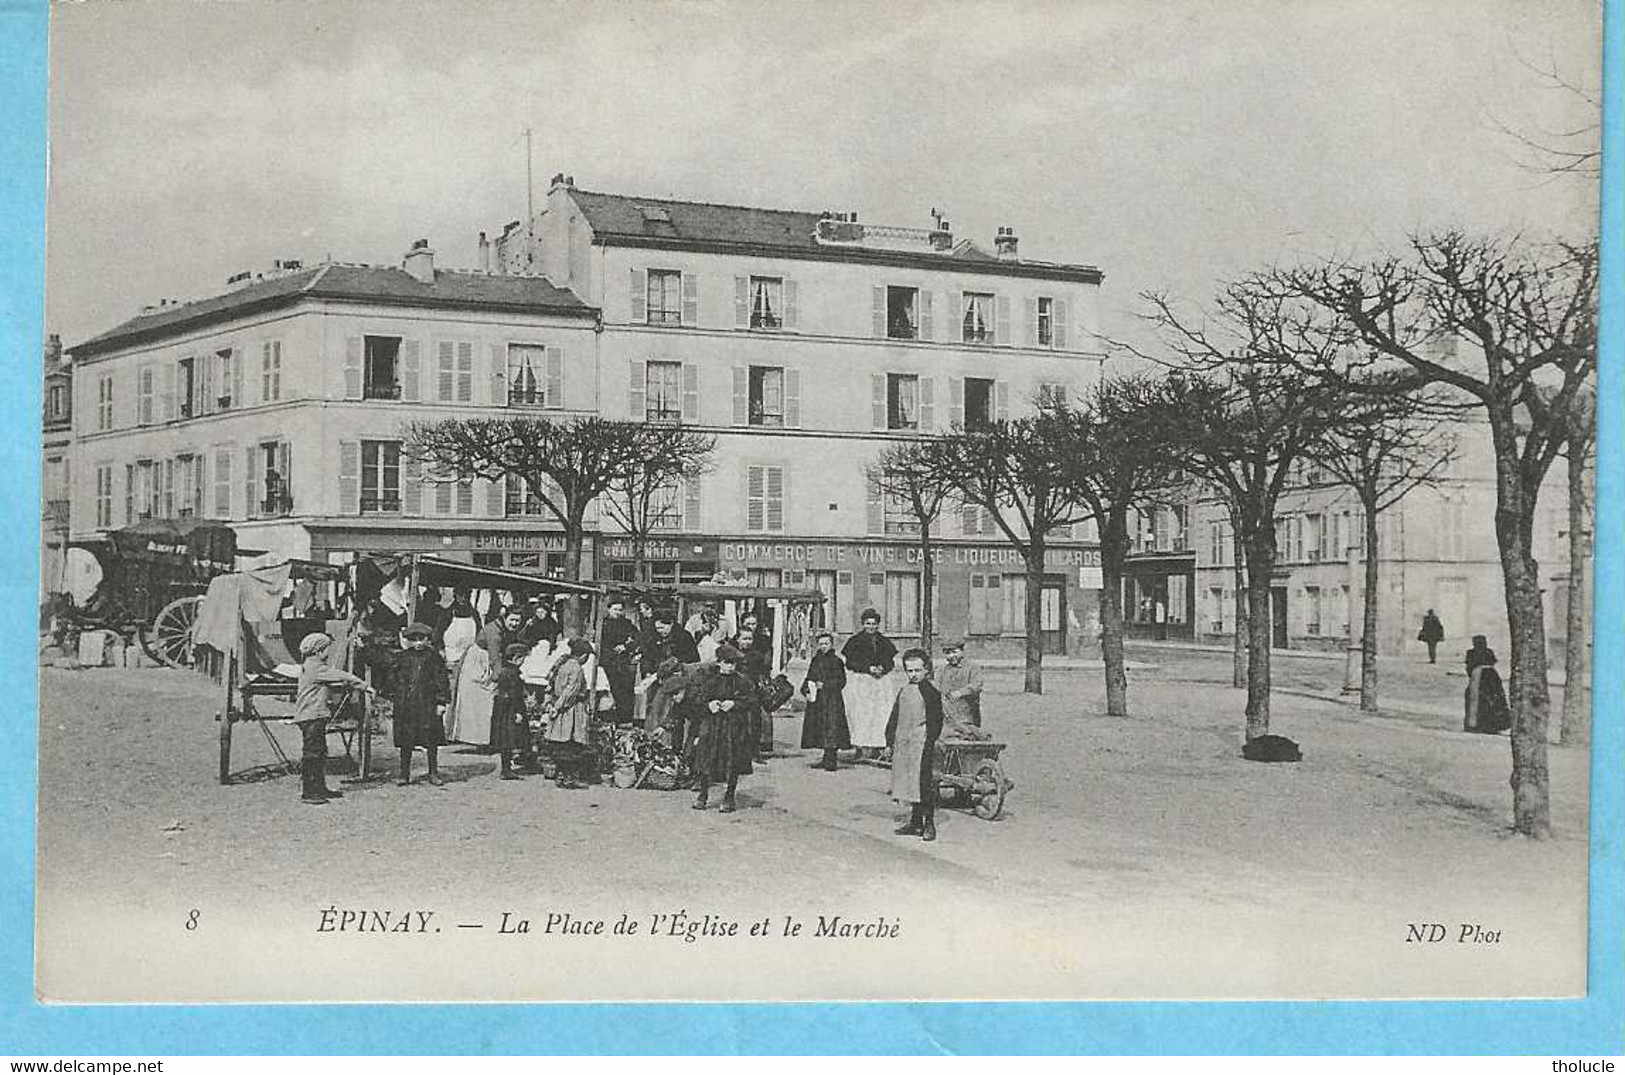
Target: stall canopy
x: 434, y: 571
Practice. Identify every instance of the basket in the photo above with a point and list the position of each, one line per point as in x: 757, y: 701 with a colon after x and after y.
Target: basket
x: 656, y: 778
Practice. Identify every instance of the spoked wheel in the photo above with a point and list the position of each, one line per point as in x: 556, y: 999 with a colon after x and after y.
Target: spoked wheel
x: 169, y: 639
x: 989, y: 789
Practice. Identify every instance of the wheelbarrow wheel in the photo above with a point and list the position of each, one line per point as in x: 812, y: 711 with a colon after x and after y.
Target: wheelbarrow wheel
x: 169, y: 639
x: 989, y: 788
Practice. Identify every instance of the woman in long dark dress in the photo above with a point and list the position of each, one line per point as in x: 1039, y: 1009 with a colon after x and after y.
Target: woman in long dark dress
x: 1487, y: 709
x: 823, y: 726
x: 725, y: 746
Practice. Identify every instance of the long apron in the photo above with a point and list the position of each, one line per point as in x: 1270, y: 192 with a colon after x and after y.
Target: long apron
x: 868, y: 707
x: 469, y: 719
x: 908, y: 747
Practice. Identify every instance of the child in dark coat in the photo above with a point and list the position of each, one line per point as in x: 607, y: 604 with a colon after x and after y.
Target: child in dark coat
x: 510, y: 730
x: 420, y: 691
x: 824, y: 724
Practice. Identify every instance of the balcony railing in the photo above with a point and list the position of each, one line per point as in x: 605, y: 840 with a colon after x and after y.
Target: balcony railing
x: 665, y: 415
x: 381, y: 503
x: 978, y: 335
x: 527, y: 397
x: 768, y: 321
x: 522, y: 506
x: 665, y: 317
x: 56, y: 514
x: 382, y: 391
x: 277, y: 505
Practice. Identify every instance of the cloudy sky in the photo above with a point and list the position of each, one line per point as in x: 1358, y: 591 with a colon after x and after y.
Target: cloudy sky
x: 1169, y: 143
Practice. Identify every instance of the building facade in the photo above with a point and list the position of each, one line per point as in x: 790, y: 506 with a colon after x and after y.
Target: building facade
x: 807, y: 343
x: 55, y: 473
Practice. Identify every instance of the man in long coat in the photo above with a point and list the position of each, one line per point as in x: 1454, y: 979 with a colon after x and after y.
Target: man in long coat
x: 419, y: 691
x: 912, y: 733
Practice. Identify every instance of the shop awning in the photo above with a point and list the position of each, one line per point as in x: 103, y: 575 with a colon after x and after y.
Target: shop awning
x: 434, y: 571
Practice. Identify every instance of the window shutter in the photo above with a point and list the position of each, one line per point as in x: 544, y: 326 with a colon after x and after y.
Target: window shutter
x: 775, y: 498
x: 976, y: 621
x: 203, y: 370
x: 876, y: 506
x: 691, y: 503
x: 251, y: 482
x: 877, y: 598
x: 755, y: 492
x: 499, y: 375
x: 222, y: 483
x: 636, y: 384
x: 239, y: 359
x: 927, y: 317
x: 555, y: 378
x: 349, y: 477
x: 691, y: 392
x: 845, y: 612
x: 928, y: 404
x: 879, y: 294
x: 956, y: 402
x: 445, y: 382
x: 792, y: 398
x: 792, y: 304
x: 953, y: 317
x: 284, y: 460
x: 169, y: 411
x: 640, y: 295
x: 1002, y: 334
x: 411, y: 371
x: 411, y: 486
x: 352, y: 369
x: 741, y: 302
x: 1031, y: 313
x: 691, y: 299
x: 495, y: 491
x: 877, y: 385
x: 265, y: 372
x: 1058, y: 328
x: 465, y: 497
x: 442, y: 493
x: 741, y: 395
x: 1001, y: 392
x: 970, y: 519
x: 993, y: 605
x: 465, y: 372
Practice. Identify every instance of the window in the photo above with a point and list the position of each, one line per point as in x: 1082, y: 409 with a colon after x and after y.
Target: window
x: 977, y: 318
x: 978, y: 403
x: 766, y: 396
x: 56, y: 402
x: 525, y: 561
x: 1311, y: 601
x: 486, y: 559
x: 1178, y: 597
x: 766, y: 302
x: 104, y: 403
x: 1179, y: 523
x: 764, y: 499
x: 1046, y: 321
x: 188, y: 486
x: 271, y: 371
x: 663, y: 392
x: 527, y: 375
x: 144, y: 394
x: 903, y: 602
x: 380, y: 475
x: 1312, y: 538
x: 186, y: 386
x: 898, y: 513
x: 381, y: 369
x: 666, y: 507
x: 104, y: 496
x: 225, y: 364
x: 902, y: 401
x: 1216, y: 605
x: 522, y: 500
x: 665, y: 297
x: 1452, y: 523
x: 902, y: 313
x: 147, y: 489
x: 454, y: 382
x: 825, y: 616
x: 272, y: 464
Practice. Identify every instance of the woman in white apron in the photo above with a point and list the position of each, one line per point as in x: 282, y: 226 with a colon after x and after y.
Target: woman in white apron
x: 469, y: 715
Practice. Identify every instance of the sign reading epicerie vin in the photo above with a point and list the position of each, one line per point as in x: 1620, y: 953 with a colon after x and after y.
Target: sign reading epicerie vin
x: 796, y: 553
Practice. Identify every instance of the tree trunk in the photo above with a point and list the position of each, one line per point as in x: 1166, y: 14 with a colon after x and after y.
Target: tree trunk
x: 1368, y: 627
x: 1033, y: 680
x: 928, y: 587
x: 573, y: 540
x: 1575, y: 726
x: 1238, y: 637
x: 1112, y: 543
x: 1260, y: 565
x: 639, y: 555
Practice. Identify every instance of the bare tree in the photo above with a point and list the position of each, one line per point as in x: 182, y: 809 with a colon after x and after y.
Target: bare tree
x: 1527, y: 317
x: 918, y: 474
x: 1014, y: 472
x: 643, y: 490
x: 565, y: 463
x: 1574, y: 726
x: 1116, y: 456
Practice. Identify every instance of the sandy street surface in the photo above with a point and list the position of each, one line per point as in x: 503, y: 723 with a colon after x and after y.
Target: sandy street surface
x: 1136, y: 858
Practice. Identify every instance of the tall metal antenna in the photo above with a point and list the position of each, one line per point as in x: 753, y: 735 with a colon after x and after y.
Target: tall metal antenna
x: 530, y: 203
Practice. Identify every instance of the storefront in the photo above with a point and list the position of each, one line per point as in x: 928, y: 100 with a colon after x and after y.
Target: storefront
x: 665, y: 560
x: 1159, y: 596
x: 980, y: 591
x: 517, y: 550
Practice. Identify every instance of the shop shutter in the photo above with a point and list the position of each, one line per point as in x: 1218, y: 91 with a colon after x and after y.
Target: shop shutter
x: 691, y: 299
x: 636, y: 385
x: 555, y: 378
x: 792, y: 398
x: 741, y: 302
x: 352, y: 369
x: 411, y: 371
x: 845, y: 613
x: 1059, y: 326
x: 741, y: 395
x: 349, y: 477
x: 879, y: 296
x: 877, y: 392
x: 876, y: 504
x: 498, y: 379
x: 639, y: 295
x: 976, y: 621
x: 877, y: 598
x: 928, y: 404
x: 792, y: 304
x: 1001, y: 303
x: 691, y: 392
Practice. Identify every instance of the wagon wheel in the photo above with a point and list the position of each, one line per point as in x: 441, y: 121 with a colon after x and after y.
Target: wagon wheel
x: 169, y: 639
x: 989, y: 789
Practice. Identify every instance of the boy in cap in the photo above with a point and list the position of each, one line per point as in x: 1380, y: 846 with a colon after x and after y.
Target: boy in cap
x: 420, y: 692
x: 961, y: 686
x: 311, y: 713
x: 510, y: 731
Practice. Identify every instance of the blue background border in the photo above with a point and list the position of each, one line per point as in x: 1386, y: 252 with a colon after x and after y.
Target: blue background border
x: 1590, y: 1026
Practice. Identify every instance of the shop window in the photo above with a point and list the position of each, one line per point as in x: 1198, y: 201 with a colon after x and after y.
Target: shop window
x: 486, y: 559
x: 525, y: 561
x: 986, y: 604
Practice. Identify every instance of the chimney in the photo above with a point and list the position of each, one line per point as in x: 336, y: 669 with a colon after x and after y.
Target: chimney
x: 53, y: 351
x: 419, y: 262
x: 485, y: 253
x: 1004, y: 244
x: 942, y: 236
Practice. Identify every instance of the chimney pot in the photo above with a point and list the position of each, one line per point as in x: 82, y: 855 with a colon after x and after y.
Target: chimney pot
x: 419, y: 262
x: 1004, y: 244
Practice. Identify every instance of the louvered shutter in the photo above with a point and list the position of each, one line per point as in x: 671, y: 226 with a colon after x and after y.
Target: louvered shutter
x: 1059, y: 327
x: 792, y: 304
x: 691, y: 392
x: 792, y: 398
x: 494, y: 493
x: 1031, y: 315
x: 445, y: 386
x: 953, y: 317
x: 555, y: 378
x: 639, y: 295
x: 976, y: 621
x: 204, y: 372
x: 411, y: 486
x: 877, y: 393
x: 251, y: 482
x: 741, y: 395
x: 637, y: 380
x: 441, y: 500
x: 776, y: 482
x: 239, y: 359
x: 755, y: 495
x: 265, y: 372
x: 352, y: 368
x: 928, y: 404
x: 499, y: 375
x: 169, y: 392
x: 691, y: 503
x: 956, y: 402
x: 349, y: 477
x: 411, y: 371
x: 284, y: 461
x: 936, y: 521
x: 1001, y: 303
x: 465, y: 372
x: 879, y: 295
x: 1001, y: 392
x: 969, y: 520
x: 845, y: 602
x: 877, y: 598
x: 465, y: 496
x: 993, y: 605
x: 741, y: 302
x: 691, y: 299
x: 927, y: 317
x: 222, y: 483
x: 876, y: 505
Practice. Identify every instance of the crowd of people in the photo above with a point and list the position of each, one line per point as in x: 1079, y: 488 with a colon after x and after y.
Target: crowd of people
x: 519, y: 685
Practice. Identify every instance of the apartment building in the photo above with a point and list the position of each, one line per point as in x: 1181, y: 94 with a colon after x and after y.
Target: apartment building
x: 807, y: 342
x: 57, y: 431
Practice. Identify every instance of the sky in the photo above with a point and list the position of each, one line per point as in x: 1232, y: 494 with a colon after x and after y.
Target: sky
x: 1171, y: 143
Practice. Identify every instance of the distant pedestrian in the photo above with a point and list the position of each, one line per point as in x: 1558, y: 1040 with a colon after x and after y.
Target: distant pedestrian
x: 823, y: 726
x: 1487, y: 709
x: 961, y: 685
x: 1432, y: 633
x: 912, y: 733
x: 311, y: 713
